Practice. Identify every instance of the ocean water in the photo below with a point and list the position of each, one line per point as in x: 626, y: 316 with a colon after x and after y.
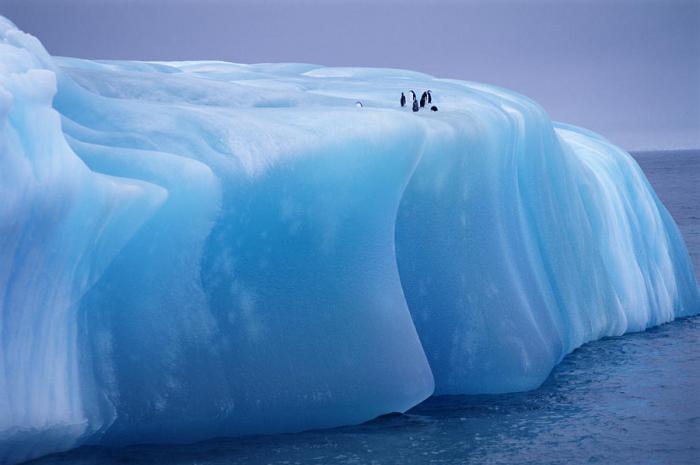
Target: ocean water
x: 633, y: 399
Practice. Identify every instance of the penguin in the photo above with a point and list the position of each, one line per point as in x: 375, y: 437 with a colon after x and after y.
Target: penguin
x: 403, y: 100
x: 413, y: 94
x: 423, y: 98
x: 430, y: 96
x: 433, y: 108
x: 415, y: 104
x: 358, y: 104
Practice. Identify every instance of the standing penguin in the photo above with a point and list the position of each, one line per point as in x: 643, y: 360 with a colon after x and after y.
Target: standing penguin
x: 403, y: 100
x: 415, y: 104
x: 430, y: 97
x: 423, y: 98
x: 413, y: 94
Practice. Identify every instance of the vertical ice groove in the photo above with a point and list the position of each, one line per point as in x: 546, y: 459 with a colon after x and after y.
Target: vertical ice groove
x: 56, y: 217
x: 560, y: 234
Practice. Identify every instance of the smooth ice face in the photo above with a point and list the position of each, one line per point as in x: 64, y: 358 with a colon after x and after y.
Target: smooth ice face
x: 201, y: 267
x: 190, y: 250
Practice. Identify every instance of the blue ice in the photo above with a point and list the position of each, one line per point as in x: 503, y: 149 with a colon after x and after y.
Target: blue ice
x: 198, y: 249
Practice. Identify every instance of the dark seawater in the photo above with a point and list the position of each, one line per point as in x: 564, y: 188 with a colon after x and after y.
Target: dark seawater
x: 633, y: 399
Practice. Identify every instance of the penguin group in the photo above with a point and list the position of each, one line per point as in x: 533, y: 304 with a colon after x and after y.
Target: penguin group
x: 425, y: 98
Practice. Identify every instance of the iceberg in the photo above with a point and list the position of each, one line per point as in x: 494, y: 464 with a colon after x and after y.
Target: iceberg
x: 197, y: 249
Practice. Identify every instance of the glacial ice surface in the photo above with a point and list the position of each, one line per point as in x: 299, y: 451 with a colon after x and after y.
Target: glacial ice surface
x: 198, y: 249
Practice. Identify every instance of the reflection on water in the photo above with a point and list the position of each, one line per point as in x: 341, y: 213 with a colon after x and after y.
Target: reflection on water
x: 633, y: 399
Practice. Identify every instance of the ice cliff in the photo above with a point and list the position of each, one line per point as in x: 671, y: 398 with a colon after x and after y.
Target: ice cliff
x: 198, y: 249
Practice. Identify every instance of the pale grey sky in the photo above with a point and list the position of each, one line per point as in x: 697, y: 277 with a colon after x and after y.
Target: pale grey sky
x: 627, y: 69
